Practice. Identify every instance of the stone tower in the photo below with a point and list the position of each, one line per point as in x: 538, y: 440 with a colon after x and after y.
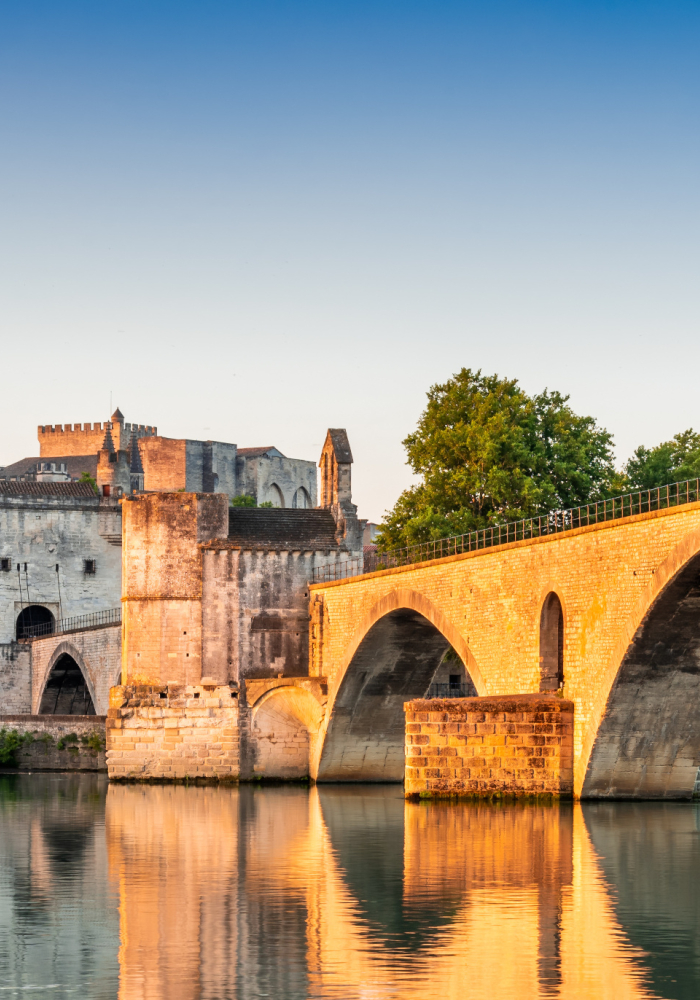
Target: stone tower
x: 336, y: 488
x: 113, y: 475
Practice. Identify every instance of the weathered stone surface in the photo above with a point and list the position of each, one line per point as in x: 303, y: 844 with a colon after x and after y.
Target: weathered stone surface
x: 490, y: 758
x: 198, y: 738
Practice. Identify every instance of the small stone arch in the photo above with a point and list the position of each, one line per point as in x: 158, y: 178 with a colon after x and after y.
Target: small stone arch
x: 301, y: 499
x: 551, y: 643
x: 67, y: 657
x: 285, y: 724
x: 34, y: 615
x: 274, y: 495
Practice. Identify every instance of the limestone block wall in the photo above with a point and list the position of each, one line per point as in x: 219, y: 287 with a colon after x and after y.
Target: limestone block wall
x: 173, y: 733
x: 15, y: 677
x: 98, y: 653
x: 510, y: 745
x: 164, y: 463
x: 59, y: 742
x: 43, y: 532
x: 162, y: 588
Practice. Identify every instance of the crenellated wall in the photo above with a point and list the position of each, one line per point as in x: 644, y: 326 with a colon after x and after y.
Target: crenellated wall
x: 84, y: 439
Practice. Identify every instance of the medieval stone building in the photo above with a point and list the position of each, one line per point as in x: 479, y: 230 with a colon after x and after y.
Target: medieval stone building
x: 207, y: 590
x: 126, y: 458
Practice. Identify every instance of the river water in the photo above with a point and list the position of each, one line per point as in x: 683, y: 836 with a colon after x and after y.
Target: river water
x: 175, y: 893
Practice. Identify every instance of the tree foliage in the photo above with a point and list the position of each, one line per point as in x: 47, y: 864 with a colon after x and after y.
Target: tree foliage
x: 669, y: 462
x: 486, y: 453
x: 85, y: 477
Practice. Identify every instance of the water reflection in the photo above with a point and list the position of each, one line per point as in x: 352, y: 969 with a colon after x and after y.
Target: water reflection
x: 174, y: 893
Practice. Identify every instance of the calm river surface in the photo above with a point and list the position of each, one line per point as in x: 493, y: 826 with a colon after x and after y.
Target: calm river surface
x: 172, y: 893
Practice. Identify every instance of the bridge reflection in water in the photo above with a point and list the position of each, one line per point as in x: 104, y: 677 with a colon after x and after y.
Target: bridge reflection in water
x: 352, y: 892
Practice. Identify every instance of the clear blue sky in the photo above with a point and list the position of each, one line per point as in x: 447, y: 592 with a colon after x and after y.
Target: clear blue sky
x: 252, y: 221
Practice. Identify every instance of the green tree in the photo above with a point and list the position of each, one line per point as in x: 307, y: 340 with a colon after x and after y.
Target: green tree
x: 243, y: 501
x: 669, y: 462
x: 85, y: 477
x: 486, y: 453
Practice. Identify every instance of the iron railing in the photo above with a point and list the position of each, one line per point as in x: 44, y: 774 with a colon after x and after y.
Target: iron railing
x: 555, y: 522
x: 75, y: 624
x: 451, y: 691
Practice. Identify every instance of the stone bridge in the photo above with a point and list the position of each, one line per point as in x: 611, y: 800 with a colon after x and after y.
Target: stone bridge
x: 609, y: 613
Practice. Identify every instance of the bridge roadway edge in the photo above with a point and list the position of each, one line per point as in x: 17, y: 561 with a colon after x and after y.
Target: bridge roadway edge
x: 660, y: 567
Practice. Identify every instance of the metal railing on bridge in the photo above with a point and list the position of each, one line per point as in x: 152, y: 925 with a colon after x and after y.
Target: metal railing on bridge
x: 553, y: 523
x: 75, y: 624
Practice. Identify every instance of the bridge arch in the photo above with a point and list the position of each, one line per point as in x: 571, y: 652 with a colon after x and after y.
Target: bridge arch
x: 390, y: 659
x: 67, y: 687
x: 285, y: 723
x: 644, y: 740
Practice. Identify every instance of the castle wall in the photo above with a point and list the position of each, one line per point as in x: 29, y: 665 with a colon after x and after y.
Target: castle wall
x: 164, y: 463
x: 86, y: 439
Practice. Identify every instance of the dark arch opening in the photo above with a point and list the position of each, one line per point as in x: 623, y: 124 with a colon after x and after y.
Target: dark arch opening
x: 551, y: 644
x: 394, y: 663
x: 648, y: 742
x: 35, y: 614
x: 66, y: 692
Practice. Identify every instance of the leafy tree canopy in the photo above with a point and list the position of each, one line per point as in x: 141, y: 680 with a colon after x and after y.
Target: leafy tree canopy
x: 669, y: 462
x: 486, y: 453
x: 85, y: 477
x: 244, y: 500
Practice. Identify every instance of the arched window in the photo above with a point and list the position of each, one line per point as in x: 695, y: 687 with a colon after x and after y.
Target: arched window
x: 32, y: 616
x: 66, y: 692
x: 551, y: 644
x: 301, y: 500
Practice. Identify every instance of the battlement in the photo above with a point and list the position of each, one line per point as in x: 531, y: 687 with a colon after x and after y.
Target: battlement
x: 59, y: 440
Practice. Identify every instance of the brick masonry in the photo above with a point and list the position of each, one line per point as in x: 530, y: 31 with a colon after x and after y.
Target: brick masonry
x: 59, y: 742
x: 518, y: 745
x: 173, y: 733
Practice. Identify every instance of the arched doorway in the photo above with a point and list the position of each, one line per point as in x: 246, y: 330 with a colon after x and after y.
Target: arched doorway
x: 395, y: 662
x: 34, y: 615
x: 551, y: 644
x: 648, y: 742
x: 66, y: 692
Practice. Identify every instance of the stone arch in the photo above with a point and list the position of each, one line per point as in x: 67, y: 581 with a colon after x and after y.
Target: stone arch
x: 644, y: 739
x: 33, y: 615
x: 551, y: 643
x: 284, y: 726
x: 274, y: 495
x: 391, y: 659
x: 67, y: 687
x: 301, y: 499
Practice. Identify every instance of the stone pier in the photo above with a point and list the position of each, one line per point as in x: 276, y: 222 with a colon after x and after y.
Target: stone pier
x: 514, y: 745
x: 173, y: 732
